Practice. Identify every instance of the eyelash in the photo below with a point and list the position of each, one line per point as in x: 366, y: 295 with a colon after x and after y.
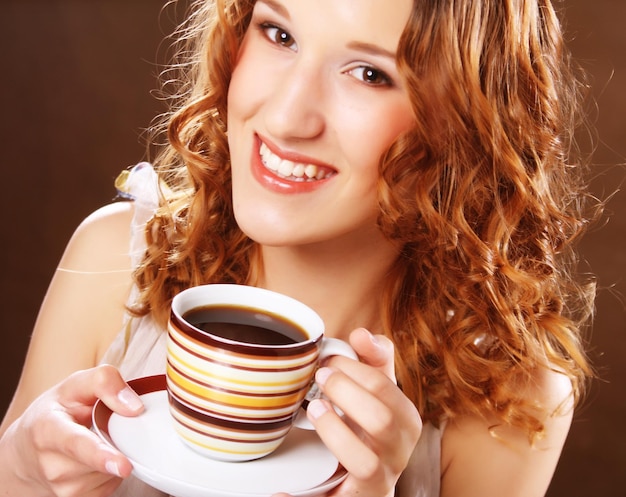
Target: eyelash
x: 381, y: 77
x: 266, y: 27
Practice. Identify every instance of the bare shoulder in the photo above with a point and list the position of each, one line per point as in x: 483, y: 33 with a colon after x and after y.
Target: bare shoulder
x: 101, y: 242
x: 480, y: 458
x: 84, y: 306
x: 95, y: 272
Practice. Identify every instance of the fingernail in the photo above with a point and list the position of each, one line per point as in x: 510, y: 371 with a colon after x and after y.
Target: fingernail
x: 130, y: 399
x: 113, y: 469
x: 316, y: 409
x: 322, y: 375
x: 374, y: 339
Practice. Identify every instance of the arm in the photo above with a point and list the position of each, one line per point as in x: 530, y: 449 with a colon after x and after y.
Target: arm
x: 478, y: 463
x: 45, y: 431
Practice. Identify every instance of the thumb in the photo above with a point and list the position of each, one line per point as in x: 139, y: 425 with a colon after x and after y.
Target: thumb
x: 375, y: 350
x: 80, y: 391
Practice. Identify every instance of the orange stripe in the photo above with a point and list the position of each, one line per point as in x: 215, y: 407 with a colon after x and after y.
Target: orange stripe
x: 204, y: 373
x: 234, y: 399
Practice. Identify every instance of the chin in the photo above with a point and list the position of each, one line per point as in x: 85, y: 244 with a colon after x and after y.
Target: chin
x: 262, y: 231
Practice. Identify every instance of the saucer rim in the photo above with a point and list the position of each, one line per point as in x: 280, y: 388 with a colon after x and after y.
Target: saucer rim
x: 101, y: 415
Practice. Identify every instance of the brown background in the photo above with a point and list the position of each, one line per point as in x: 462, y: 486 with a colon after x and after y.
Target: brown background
x: 75, y: 85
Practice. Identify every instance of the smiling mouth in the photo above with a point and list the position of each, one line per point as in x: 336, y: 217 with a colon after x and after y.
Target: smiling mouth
x: 293, y: 171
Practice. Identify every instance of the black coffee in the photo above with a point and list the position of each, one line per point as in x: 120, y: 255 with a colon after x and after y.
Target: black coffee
x: 243, y: 324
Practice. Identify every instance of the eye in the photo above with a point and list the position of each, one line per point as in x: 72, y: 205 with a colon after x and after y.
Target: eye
x: 278, y: 35
x: 371, y: 76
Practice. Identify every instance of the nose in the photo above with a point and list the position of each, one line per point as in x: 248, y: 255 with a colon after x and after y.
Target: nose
x: 295, y: 108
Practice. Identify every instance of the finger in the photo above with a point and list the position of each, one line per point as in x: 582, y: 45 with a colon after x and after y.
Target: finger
x: 96, y: 487
x: 375, y: 405
x: 103, y: 458
x: 60, y: 434
x: 83, y: 388
x: 354, y: 455
x: 374, y: 350
x: 366, y: 377
x: 68, y: 477
x: 376, y: 409
x: 352, y: 385
x: 361, y: 402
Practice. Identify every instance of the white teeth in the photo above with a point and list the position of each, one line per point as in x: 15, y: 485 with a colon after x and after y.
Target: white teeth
x: 298, y: 171
x: 310, y: 171
x: 287, y: 168
x: 273, y: 162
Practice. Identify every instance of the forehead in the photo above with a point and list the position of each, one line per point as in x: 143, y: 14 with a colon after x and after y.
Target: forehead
x: 373, y: 21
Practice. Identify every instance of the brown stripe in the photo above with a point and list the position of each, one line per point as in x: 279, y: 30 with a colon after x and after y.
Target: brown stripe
x: 215, y: 412
x: 236, y: 366
x: 228, y: 439
x: 102, y: 414
x: 243, y: 393
x: 148, y: 384
x: 231, y: 424
x: 222, y: 343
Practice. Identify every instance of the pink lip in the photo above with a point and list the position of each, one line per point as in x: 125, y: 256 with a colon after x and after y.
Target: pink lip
x: 277, y: 183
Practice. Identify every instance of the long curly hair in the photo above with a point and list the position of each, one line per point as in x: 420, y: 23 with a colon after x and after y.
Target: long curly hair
x: 486, y: 195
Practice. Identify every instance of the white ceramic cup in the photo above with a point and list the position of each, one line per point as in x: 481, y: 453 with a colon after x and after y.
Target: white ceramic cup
x: 235, y: 391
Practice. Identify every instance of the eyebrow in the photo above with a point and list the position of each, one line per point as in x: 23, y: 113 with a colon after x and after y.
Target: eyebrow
x: 372, y: 49
x: 276, y: 7
x: 355, y: 45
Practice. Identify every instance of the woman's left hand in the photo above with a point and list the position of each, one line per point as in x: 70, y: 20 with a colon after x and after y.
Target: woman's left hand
x: 381, y: 427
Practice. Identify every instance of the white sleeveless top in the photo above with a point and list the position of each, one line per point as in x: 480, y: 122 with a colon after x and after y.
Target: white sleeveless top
x: 140, y: 350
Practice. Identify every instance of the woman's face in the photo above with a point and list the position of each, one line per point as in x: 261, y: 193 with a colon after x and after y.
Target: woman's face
x: 314, y: 101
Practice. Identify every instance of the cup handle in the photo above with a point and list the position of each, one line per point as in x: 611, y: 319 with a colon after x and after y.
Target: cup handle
x: 330, y: 347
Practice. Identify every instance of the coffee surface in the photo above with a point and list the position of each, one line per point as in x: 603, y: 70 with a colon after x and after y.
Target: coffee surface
x: 246, y: 325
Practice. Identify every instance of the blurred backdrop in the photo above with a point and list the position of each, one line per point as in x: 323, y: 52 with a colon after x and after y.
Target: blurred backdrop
x: 76, y: 84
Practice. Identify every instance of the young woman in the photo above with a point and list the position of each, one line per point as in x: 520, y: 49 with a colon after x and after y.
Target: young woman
x: 404, y: 169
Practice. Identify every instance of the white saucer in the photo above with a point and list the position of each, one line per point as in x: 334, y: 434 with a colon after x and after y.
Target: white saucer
x: 301, y: 466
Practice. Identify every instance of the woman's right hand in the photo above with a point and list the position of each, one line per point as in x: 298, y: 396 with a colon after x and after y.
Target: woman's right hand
x: 51, y: 451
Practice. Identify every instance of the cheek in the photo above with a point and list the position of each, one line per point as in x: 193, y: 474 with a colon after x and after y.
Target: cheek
x: 242, y: 106
x: 399, y: 117
x: 236, y: 94
x: 243, y: 85
x: 373, y: 134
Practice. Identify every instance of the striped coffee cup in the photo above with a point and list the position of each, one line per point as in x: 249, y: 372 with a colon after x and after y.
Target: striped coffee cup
x: 240, y: 361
